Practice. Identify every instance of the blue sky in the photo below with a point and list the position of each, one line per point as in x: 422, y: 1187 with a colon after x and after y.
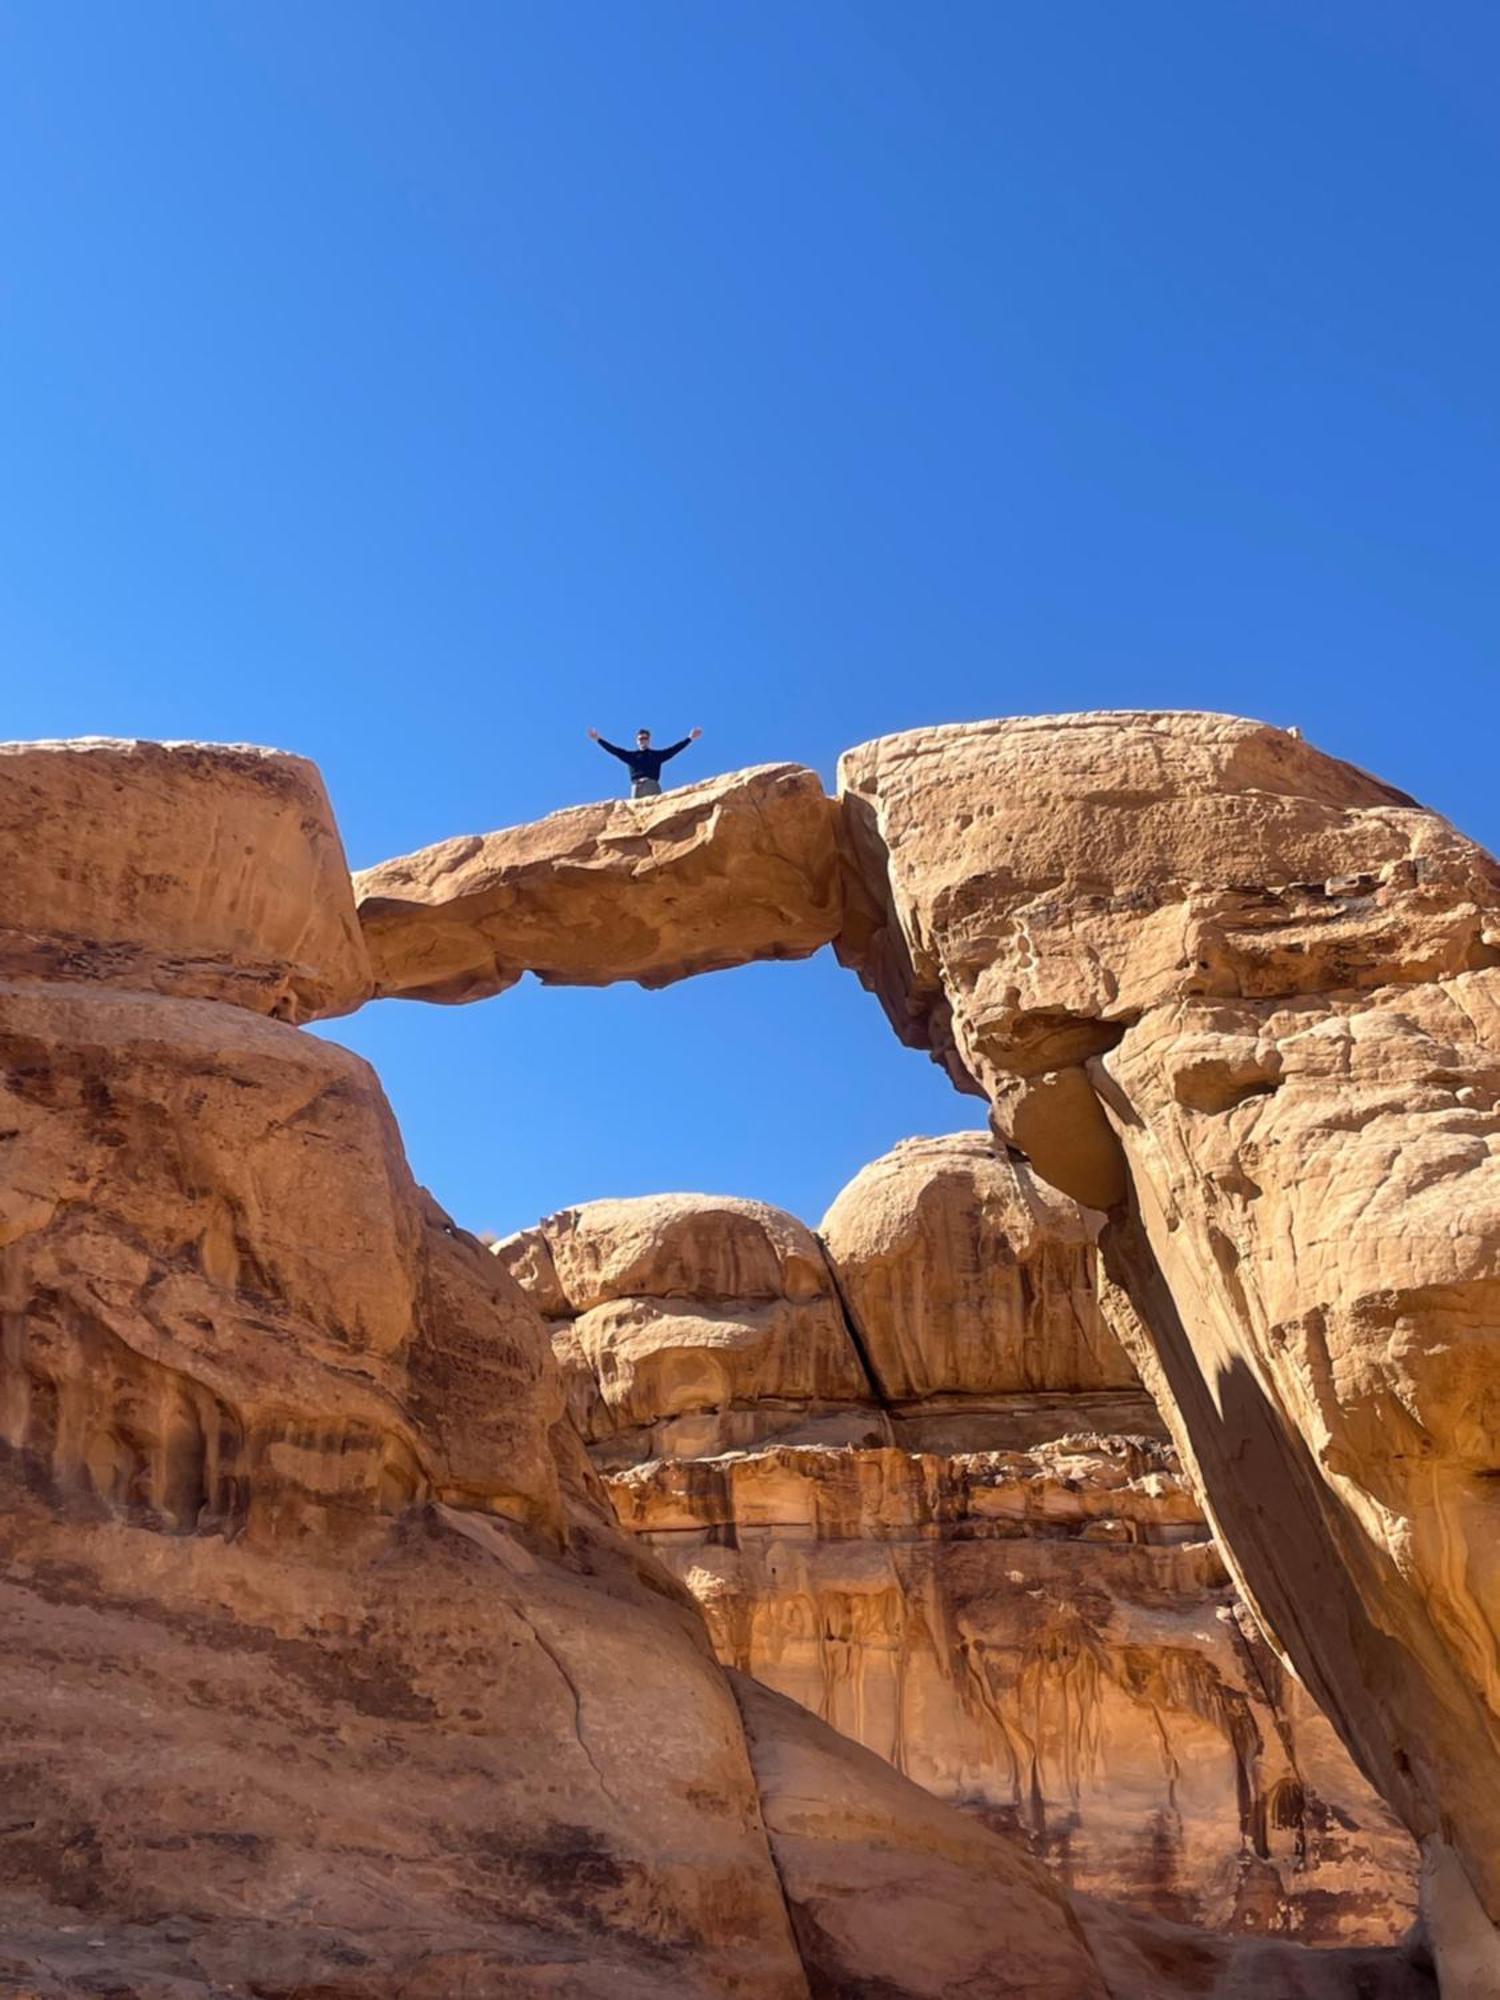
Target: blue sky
x: 416, y: 385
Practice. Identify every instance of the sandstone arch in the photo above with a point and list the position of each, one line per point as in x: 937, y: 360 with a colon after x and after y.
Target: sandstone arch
x: 1244, y: 997
x: 397, y: 1548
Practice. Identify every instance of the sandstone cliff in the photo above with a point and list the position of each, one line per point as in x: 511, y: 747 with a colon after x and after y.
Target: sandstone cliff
x: 294, y: 1528
x: 873, y: 1457
x: 1244, y: 996
x: 324, y: 1668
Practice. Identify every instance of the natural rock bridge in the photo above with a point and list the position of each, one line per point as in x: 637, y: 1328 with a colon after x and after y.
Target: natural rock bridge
x: 313, y: 1601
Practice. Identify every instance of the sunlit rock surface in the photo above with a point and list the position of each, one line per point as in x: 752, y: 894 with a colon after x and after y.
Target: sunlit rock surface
x: 207, y: 871
x: 970, y: 1287
x: 710, y: 875
x: 293, y: 1527
x: 325, y: 1666
x: 690, y: 1324
x: 1025, y: 1615
x: 1244, y: 995
x: 888, y: 1891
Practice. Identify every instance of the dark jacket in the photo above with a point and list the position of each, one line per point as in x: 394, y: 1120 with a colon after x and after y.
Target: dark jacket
x: 645, y: 763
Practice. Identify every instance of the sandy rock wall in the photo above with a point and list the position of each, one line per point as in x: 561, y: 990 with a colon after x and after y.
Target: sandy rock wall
x: 889, y: 1891
x: 325, y: 1665
x: 689, y: 1324
x: 1022, y: 1614
x: 1243, y: 996
x: 206, y: 871
x: 294, y: 1526
x: 971, y: 1287
x: 180, y: 1345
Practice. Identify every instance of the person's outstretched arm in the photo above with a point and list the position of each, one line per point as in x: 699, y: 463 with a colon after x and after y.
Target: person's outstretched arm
x: 672, y: 750
x: 613, y: 748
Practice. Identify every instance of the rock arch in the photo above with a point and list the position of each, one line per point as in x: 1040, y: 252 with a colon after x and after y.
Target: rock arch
x: 1245, y: 998
x: 400, y: 1562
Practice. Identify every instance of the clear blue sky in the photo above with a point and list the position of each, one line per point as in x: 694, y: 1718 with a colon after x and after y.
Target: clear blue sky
x: 415, y: 385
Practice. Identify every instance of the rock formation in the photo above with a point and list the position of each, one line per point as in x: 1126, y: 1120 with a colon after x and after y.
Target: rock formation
x: 890, y: 1892
x: 325, y: 1669
x: 972, y: 1288
x: 208, y: 871
x: 1244, y: 996
x: 687, y: 1325
x: 294, y: 1529
x: 873, y: 1457
x: 709, y: 875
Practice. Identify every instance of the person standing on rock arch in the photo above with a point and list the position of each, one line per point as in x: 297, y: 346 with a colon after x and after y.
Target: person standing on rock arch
x: 645, y: 763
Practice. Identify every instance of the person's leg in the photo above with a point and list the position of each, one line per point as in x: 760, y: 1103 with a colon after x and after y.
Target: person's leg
x: 645, y: 788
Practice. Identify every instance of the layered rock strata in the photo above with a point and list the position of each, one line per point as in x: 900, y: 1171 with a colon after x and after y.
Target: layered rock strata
x: 1029, y: 1622
x: 323, y: 1665
x: 709, y: 875
x: 891, y: 1893
x: 294, y: 1527
x: 1245, y: 996
x: 685, y: 1324
x: 295, y: 1524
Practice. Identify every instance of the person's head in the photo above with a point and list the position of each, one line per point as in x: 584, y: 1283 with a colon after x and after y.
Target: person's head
x: 642, y: 738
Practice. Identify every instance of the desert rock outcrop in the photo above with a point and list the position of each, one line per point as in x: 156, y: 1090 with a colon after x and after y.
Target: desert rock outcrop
x: 705, y: 876
x: 971, y: 1287
x: 1244, y: 995
x: 294, y: 1529
x: 206, y: 871
x: 1024, y: 1615
x: 892, y: 1894
x: 686, y: 1324
x: 325, y: 1666
x: 889, y: 1891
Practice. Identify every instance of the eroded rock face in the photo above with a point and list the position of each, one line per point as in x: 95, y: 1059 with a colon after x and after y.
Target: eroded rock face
x: 201, y: 870
x: 892, y: 1894
x: 888, y: 1891
x: 300, y: 1769
x: 709, y: 875
x: 294, y: 1525
x: 689, y: 1324
x: 293, y: 1529
x: 971, y: 1287
x: 1032, y: 1623
x: 291, y: 1510
x: 223, y: 1294
x: 1046, y: 1638
x: 1243, y: 993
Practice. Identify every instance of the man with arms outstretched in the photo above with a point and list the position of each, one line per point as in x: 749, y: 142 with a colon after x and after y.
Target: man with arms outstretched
x: 645, y: 763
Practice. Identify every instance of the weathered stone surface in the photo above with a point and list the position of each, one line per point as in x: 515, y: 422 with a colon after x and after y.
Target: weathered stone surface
x: 225, y: 1303
x: 300, y: 1770
x: 292, y: 1534
x: 968, y: 1277
x: 1145, y: 1958
x: 1259, y: 983
x: 896, y: 1897
x: 292, y: 1530
x: 892, y: 1894
x: 1046, y: 1638
x: 710, y: 875
x: 687, y: 1324
x: 325, y: 1669
x: 204, y: 870
x: 1332, y: 1355
x: 1032, y: 885
x: 1042, y: 1633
